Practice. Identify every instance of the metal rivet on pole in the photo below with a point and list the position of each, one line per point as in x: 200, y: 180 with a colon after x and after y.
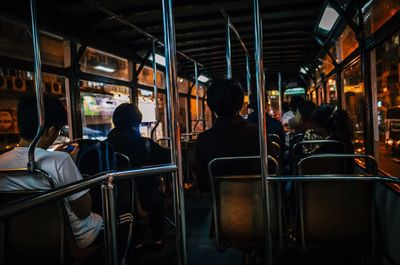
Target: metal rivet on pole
x: 260, y: 85
x: 228, y: 50
x: 173, y: 126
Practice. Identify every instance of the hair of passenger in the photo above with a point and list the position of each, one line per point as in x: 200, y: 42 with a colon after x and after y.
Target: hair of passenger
x: 27, y: 113
x: 127, y: 115
x: 295, y: 102
x: 306, y: 109
x: 285, y: 107
x: 342, y: 127
x: 225, y: 96
x: 321, y: 117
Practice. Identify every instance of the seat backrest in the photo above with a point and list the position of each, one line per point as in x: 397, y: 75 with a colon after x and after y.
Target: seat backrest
x: 336, y: 212
x: 238, y: 206
x: 274, y: 138
x: 326, y: 146
x: 95, y: 157
x: 35, y: 236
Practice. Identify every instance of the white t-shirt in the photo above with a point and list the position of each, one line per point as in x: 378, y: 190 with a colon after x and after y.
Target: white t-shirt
x: 62, y: 170
x: 286, y: 117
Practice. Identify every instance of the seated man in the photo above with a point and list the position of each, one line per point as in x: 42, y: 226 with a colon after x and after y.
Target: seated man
x: 230, y: 135
x: 126, y: 139
x: 274, y: 126
x: 86, y: 226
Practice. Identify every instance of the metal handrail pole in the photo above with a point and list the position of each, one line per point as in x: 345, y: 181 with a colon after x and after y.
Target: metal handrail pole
x: 235, y: 32
x: 155, y: 90
x: 38, y: 87
x: 174, y: 128
x: 260, y: 84
x: 248, y: 76
x: 110, y: 226
x: 196, y: 76
x: 280, y: 94
x: 155, y: 78
x: 228, y: 50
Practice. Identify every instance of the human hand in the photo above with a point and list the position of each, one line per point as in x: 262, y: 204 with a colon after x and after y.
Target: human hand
x: 71, y: 148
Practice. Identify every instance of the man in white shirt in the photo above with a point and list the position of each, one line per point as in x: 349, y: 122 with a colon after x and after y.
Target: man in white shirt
x: 86, y: 226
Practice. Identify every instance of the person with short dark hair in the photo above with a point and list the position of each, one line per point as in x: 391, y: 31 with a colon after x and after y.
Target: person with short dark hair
x: 321, y: 129
x: 295, y: 103
x: 274, y: 126
x: 230, y: 135
x: 85, y: 224
x: 304, y: 116
x: 126, y: 139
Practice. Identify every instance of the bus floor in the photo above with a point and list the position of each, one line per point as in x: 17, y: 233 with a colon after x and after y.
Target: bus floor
x: 202, y: 249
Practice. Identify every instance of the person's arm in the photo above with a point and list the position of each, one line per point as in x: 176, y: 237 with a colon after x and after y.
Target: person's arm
x: 82, y: 207
x: 81, y: 202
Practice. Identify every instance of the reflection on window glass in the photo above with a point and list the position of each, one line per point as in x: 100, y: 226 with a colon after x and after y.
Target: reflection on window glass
x: 183, y: 85
x: 105, y: 64
x: 15, y: 84
x: 147, y: 106
x: 98, y: 103
x: 332, y: 91
x: 327, y: 65
x: 355, y: 102
x: 345, y: 45
x: 146, y: 77
x: 183, y: 114
x: 197, y: 126
x: 378, y: 13
x: 273, y: 103
x: 385, y: 62
x: 16, y: 42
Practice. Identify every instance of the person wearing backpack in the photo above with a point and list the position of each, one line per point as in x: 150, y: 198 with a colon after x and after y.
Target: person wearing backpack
x: 126, y: 139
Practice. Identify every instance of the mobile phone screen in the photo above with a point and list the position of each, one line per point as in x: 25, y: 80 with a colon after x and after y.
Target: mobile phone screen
x: 70, y: 148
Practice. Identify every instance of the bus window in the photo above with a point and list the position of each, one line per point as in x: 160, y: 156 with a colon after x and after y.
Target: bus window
x: 98, y: 102
x: 15, y: 84
x: 385, y: 73
x: 355, y: 102
x: 101, y: 63
x: 378, y: 12
x: 332, y: 91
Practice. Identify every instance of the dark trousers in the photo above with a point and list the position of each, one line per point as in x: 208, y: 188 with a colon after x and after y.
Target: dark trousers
x: 153, y: 203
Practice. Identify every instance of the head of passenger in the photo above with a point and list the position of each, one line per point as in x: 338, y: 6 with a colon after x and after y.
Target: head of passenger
x: 342, y: 128
x: 295, y: 103
x: 55, y: 119
x: 305, y: 110
x: 225, y: 97
x: 285, y: 107
x: 127, y: 116
x: 321, y: 119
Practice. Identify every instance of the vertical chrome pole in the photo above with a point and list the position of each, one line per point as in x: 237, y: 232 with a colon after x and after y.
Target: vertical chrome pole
x: 110, y: 227
x: 260, y: 84
x: 173, y: 125
x: 155, y: 78
x: 196, y: 76
x: 248, y: 75
x: 280, y: 94
x: 228, y: 50
x: 38, y: 86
